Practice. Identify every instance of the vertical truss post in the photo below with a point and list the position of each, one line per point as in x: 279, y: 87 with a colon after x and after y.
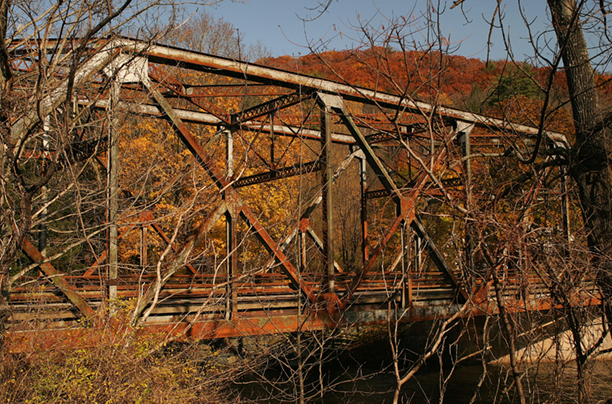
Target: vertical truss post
x: 403, y: 293
x: 302, y: 248
x: 229, y: 152
x: 408, y: 259
x: 463, y: 134
x: 363, y: 164
x: 272, y: 141
x: 301, y: 269
x: 327, y: 173
x: 418, y: 253
x: 113, y: 193
x: 406, y: 286
x: 231, y: 299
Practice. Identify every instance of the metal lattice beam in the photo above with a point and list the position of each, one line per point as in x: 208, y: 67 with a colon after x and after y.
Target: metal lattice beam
x: 286, y: 172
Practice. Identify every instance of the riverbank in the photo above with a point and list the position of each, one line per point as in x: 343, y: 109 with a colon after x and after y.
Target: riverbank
x: 560, y: 348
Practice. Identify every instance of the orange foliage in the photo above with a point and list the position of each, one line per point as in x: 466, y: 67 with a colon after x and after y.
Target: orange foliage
x: 424, y: 75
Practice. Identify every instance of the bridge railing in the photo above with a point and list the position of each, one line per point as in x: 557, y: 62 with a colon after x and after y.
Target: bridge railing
x: 185, y: 293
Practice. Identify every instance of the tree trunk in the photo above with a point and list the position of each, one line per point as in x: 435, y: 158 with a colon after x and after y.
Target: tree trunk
x: 589, y: 156
x: 5, y: 79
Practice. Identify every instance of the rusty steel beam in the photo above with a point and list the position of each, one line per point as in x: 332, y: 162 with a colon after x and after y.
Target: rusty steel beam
x: 267, y: 75
x: 258, y: 324
x: 381, y: 193
x: 240, y: 326
x: 270, y: 76
x: 156, y: 112
x: 210, y: 119
x: 303, y: 133
x: 271, y: 106
x: 386, y: 136
x: 363, y: 208
x: 58, y: 279
x: 224, y: 90
x: 231, y: 265
x: 269, y: 324
x: 174, y: 85
x: 383, y: 130
x: 286, y: 172
x: 237, y: 90
x: 327, y: 205
x: 336, y: 104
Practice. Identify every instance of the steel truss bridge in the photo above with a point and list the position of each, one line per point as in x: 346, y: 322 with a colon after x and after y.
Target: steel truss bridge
x: 255, y: 133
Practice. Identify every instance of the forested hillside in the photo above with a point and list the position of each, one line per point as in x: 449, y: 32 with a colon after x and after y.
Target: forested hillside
x: 450, y: 80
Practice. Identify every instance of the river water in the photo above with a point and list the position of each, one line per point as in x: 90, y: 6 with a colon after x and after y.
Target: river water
x: 360, y: 385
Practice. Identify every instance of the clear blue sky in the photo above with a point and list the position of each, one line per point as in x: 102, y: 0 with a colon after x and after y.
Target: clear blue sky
x: 277, y: 23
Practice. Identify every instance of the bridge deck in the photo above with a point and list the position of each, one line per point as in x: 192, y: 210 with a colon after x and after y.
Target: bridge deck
x: 184, y: 294
x: 195, y: 306
x: 257, y: 294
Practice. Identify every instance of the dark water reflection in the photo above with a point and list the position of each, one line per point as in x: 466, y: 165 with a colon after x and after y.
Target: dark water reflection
x: 462, y: 386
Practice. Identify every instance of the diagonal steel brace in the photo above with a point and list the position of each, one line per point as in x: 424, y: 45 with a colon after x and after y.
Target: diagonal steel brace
x: 231, y: 196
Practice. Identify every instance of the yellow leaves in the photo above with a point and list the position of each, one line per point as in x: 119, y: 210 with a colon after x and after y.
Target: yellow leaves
x: 159, y: 175
x: 132, y: 370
